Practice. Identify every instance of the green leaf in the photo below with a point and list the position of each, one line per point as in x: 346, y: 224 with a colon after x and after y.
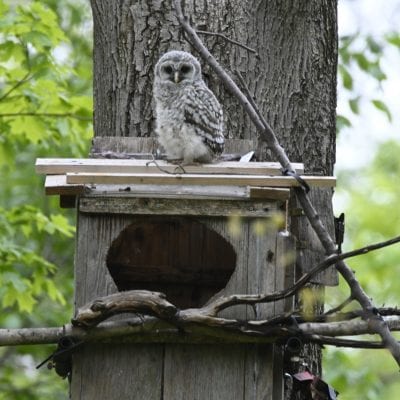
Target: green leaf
x: 373, y: 45
x: 394, y: 39
x: 346, y: 77
x: 362, y: 61
x: 381, y: 106
x: 354, y: 105
x: 342, y: 122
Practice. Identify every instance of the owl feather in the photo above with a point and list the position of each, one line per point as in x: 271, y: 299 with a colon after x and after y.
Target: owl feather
x: 189, y: 119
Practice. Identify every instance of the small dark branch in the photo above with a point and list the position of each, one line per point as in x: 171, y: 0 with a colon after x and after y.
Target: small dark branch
x: 339, y: 307
x: 52, y: 115
x: 269, y: 137
x: 224, y: 302
x: 235, y: 42
x: 26, y: 78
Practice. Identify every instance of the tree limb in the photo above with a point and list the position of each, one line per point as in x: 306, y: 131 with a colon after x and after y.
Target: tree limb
x: 170, y: 325
x: 268, y: 136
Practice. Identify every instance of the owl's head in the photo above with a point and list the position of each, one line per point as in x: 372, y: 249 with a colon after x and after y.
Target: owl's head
x: 177, y: 66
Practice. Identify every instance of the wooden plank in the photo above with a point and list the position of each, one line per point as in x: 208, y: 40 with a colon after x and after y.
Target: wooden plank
x: 57, y: 166
x: 191, y: 179
x: 160, y: 206
x: 57, y: 185
x: 172, y: 191
x: 200, y: 372
x: 256, y: 192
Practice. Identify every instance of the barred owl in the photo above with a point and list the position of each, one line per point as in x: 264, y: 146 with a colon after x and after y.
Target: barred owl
x: 189, y: 122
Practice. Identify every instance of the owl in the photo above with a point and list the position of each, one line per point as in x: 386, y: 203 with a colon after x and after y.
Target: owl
x: 189, y: 121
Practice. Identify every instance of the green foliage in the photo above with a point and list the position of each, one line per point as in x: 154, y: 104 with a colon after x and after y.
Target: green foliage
x: 360, y: 60
x: 45, y: 110
x: 372, y: 215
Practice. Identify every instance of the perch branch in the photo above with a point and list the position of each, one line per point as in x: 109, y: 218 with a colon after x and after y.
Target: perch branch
x: 169, y: 325
x: 268, y: 136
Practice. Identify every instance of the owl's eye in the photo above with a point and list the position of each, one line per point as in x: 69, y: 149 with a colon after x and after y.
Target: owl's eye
x: 185, y: 69
x: 167, y: 69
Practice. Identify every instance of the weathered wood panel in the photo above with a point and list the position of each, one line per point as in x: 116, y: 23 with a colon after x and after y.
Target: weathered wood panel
x: 310, y: 251
x: 193, y: 179
x: 212, y: 372
x: 184, y: 207
x: 57, y: 166
x: 139, y: 375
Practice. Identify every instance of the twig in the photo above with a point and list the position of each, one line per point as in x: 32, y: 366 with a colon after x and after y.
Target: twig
x: 339, y: 307
x: 224, y: 302
x: 34, y: 114
x: 26, y: 78
x: 268, y: 135
x: 221, y: 35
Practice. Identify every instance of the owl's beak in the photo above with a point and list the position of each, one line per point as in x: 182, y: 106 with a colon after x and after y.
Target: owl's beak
x: 177, y: 77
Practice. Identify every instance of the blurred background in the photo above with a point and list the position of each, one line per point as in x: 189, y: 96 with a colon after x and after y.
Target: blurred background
x: 46, y: 111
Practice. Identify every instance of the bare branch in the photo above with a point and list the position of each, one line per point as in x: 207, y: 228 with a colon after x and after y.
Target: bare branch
x: 186, y: 326
x: 235, y: 42
x: 268, y: 135
x: 224, y: 302
x: 339, y: 307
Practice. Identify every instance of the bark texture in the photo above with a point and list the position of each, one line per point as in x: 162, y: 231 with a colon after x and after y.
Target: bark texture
x: 292, y: 77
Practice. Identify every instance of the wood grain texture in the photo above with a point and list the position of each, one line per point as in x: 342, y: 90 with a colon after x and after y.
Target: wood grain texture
x: 309, y: 249
x: 213, y: 372
x: 57, y: 184
x: 192, y: 179
x: 59, y: 166
x: 148, y: 206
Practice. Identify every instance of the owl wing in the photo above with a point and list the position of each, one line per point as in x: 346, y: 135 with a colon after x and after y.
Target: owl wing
x: 204, y: 113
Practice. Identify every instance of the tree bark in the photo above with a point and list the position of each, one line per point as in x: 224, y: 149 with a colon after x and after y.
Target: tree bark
x: 292, y: 78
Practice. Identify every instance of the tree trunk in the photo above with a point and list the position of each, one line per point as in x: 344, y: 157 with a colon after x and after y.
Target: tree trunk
x: 292, y: 77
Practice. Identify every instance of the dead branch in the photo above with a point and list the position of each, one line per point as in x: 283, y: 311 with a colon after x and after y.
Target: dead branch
x: 268, y: 136
x: 169, y: 325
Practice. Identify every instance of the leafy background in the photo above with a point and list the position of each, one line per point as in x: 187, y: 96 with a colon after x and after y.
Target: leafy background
x: 46, y: 111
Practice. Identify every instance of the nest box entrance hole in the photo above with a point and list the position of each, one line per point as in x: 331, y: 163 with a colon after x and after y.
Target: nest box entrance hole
x: 180, y: 257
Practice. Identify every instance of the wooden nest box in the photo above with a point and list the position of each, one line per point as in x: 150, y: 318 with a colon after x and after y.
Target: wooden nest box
x: 193, y: 234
